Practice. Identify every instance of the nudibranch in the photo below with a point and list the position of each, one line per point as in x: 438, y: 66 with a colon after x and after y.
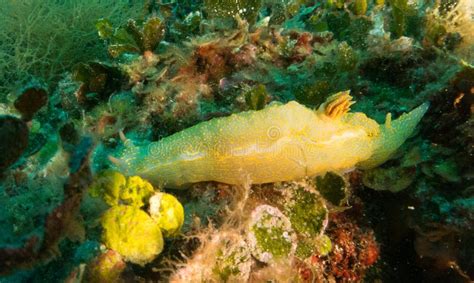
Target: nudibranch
x: 279, y: 143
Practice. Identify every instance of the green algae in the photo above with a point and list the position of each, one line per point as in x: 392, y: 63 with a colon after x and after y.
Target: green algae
x: 307, y: 212
x: 229, y: 263
x: 247, y: 9
x: 271, y: 240
x: 320, y: 246
x: 271, y: 236
x: 256, y: 97
x: 332, y: 187
x: 131, y: 37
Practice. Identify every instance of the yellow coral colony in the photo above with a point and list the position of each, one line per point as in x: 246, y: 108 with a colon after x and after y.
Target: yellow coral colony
x: 278, y: 143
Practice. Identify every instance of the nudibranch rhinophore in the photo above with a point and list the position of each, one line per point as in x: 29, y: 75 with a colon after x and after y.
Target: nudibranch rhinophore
x: 279, y: 143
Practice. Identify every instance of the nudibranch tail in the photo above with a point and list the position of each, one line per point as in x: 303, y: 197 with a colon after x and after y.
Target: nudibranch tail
x: 392, y: 135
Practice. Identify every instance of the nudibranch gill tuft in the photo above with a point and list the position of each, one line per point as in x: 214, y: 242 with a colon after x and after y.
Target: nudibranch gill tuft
x: 279, y: 143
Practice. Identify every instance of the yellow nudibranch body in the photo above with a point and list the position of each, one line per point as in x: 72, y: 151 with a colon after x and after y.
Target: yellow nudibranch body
x: 279, y: 143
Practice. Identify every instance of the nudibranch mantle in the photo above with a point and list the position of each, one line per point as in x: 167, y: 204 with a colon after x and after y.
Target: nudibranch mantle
x: 279, y: 143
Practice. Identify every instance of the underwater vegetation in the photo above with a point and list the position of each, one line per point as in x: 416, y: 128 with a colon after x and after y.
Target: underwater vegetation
x: 230, y: 141
x: 43, y: 39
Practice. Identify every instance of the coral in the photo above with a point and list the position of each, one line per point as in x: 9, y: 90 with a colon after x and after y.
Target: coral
x: 132, y: 233
x: 304, y: 252
x: 168, y: 212
x: 356, y: 250
x: 211, y: 61
x: 279, y: 272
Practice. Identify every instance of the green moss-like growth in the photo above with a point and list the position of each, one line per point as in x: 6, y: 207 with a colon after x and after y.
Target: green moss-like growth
x: 305, y: 249
x: 313, y: 246
x: 338, y: 22
x: 45, y: 38
x: 121, y: 104
x: 358, y: 31
x: 233, y: 262
x: 247, y: 9
x: 323, y: 245
x: 271, y: 240
x: 317, y: 22
x: 227, y: 271
x: 271, y: 236
x: 190, y: 25
x: 332, y: 187
x: 346, y: 58
x: 307, y: 211
x: 132, y: 233
x: 313, y: 94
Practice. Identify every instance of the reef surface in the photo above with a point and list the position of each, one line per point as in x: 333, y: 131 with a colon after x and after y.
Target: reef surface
x: 89, y: 87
